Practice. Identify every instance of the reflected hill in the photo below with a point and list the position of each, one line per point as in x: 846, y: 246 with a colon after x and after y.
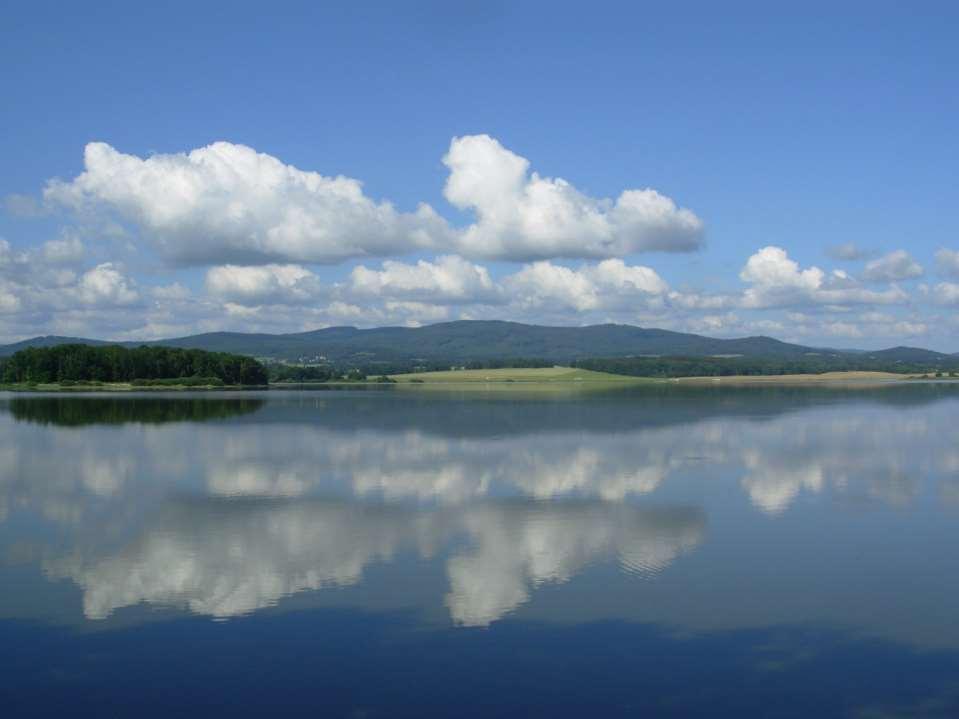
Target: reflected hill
x: 82, y: 411
x: 474, y: 413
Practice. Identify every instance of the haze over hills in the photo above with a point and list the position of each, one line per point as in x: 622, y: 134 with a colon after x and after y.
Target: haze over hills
x: 477, y: 340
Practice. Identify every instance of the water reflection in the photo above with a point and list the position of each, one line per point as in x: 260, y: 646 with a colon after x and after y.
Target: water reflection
x: 140, y: 500
x: 64, y: 474
x: 224, y: 559
x: 519, y: 547
x: 66, y: 411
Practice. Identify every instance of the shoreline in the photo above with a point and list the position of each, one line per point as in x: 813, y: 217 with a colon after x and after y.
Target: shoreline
x: 853, y: 376
x: 119, y: 387
x: 572, y: 377
x: 565, y: 378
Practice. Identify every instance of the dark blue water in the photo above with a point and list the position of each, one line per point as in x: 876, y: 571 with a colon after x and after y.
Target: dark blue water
x: 666, y: 551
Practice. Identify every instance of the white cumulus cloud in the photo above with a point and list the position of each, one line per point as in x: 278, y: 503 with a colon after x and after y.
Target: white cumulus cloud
x: 893, y: 267
x: 946, y: 293
x: 106, y: 285
x: 446, y: 279
x: 65, y: 251
x: 523, y: 216
x: 263, y: 284
x: 9, y: 302
x: 606, y: 285
x: 228, y: 203
x: 778, y: 281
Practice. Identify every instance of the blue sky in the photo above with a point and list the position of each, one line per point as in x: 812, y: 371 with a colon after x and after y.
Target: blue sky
x: 734, y: 170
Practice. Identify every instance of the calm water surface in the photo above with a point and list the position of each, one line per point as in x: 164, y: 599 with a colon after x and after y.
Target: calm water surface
x: 664, y: 551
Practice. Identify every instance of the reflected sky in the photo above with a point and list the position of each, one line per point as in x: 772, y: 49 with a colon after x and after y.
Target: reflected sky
x: 693, y: 510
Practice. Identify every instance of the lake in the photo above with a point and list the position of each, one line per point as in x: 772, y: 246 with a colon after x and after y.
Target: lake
x: 652, y: 551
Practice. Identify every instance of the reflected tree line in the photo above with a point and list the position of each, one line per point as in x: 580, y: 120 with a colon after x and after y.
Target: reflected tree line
x: 595, y: 410
x: 79, y: 412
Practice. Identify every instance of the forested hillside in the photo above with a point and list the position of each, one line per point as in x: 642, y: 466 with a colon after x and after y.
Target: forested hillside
x: 484, y: 343
x: 467, y: 341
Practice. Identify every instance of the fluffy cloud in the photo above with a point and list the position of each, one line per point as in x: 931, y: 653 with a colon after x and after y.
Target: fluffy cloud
x: 9, y: 302
x: 540, y: 286
x: 106, y: 285
x: 266, y: 284
x: 777, y: 281
x: 523, y: 216
x: 772, y: 267
x: 229, y: 203
x: 174, y: 292
x: 38, y: 278
x: 946, y: 293
x: 38, y: 294
x: 44, y: 290
x: 947, y: 262
x: 609, y: 284
x: 258, y: 225
x: 893, y: 267
x: 446, y: 279
x: 68, y: 250
x: 11, y: 259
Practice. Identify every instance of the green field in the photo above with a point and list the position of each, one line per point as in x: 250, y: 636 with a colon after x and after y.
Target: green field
x: 536, y: 375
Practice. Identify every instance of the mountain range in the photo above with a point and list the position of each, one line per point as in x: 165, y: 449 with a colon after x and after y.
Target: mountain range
x: 478, y: 340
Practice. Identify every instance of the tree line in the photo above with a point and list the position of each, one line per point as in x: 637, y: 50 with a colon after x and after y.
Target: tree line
x: 660, y: 367
x: 113, y: 363
x: 730, y: 366
x: 158, y: 365
x: 359, y: 370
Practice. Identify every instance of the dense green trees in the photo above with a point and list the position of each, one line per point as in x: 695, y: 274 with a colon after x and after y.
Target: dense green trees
x: 157, y: 365
x: 359, y: 370
x: 313, y: 373
x: 728, y: 366
x: 112, y: 363
x: 300, y: 373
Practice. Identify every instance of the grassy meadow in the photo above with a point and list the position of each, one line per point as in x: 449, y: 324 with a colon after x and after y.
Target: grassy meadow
x: 570, y: 376
x: 529, y: 375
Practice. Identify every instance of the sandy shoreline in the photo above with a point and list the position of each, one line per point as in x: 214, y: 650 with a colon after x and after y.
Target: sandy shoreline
x: 857, y: 377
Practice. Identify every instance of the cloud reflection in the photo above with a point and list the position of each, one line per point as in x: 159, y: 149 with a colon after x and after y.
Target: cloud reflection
x: 225, y: 558
x: 71, y: 475
x: 517, y: 548
x: 229, y: 559
x: 227, y: 517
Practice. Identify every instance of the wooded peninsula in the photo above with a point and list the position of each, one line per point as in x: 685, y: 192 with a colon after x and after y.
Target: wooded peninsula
x: 76, y: 363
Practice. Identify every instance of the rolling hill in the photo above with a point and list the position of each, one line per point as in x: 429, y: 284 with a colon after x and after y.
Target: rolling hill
x: 465, y: 340
x: 462, y: 341
x: 48, y: 341
x: 911, y: 354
